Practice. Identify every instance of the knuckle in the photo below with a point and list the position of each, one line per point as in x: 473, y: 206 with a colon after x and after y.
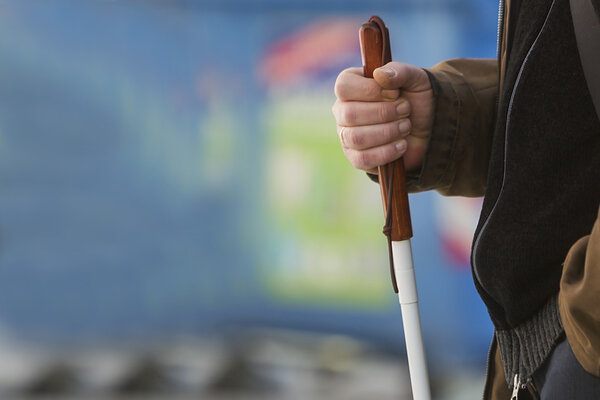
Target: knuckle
x: 353, y: 157
x: 371, y: 89
x: 352, y: 138
x: 390, y: 132
x: 347, y: 115
x: 343, y: 85
x: 334, y: 109
x: 364, y: 160
x: 339, y: 86
x: 339, y: 89
x: 384, y: 112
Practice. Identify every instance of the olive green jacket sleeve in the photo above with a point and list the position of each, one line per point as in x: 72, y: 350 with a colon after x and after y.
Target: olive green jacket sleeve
x: 457, y: 156
x: 579, y: 299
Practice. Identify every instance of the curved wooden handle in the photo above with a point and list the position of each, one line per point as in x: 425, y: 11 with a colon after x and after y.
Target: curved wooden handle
x: 375, y: 49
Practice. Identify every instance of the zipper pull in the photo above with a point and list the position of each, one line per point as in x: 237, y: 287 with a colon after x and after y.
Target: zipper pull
x: 516, y: 387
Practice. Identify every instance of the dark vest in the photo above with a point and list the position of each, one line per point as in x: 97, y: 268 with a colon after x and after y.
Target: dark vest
x: 543, y: 188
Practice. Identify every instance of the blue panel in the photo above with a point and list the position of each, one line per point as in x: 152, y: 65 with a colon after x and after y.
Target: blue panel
x: 135, y: 141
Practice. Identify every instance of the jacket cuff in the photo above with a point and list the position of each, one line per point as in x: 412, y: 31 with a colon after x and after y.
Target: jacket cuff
x: 457, y: 155
x: 440, y: 148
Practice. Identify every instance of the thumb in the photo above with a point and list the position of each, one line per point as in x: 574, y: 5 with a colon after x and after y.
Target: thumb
x: 398, y: 75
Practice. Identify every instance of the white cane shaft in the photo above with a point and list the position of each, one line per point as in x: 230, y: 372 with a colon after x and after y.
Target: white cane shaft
x: 407, y: 295
x: 415, y: 350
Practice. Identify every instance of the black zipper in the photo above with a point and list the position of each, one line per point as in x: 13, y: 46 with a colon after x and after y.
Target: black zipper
x: 500, y: 29
x: 517, y: 385
x: 508, y: 115
x: 532, y: 392
x: 489, y: 370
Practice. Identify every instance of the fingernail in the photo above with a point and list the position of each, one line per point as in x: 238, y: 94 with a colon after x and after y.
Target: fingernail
x: 402, y: 109
x: 401, y: 146
x: 404, y: 127
x: 389, y: 73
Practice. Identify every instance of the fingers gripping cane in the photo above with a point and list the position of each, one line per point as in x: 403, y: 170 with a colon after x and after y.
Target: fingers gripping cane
x: 375, y: 48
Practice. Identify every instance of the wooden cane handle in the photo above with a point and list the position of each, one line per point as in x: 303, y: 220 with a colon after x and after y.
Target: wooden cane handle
x: 375, y: 49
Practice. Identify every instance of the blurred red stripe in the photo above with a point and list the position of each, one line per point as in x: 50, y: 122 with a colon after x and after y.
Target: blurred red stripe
x: 316, y: 47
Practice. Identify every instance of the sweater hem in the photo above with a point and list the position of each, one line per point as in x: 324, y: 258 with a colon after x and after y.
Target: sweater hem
x: 525, y: 348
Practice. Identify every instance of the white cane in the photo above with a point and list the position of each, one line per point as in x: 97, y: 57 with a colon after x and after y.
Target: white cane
x: 375, y: 48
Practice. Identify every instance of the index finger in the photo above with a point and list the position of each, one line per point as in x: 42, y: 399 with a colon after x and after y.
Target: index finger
x: 351, y: 85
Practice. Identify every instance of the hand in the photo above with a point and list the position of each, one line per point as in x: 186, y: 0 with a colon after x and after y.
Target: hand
x: 382, y: 119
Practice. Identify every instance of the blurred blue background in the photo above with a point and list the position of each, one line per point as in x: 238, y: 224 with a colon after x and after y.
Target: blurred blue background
x: 170, y: 176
